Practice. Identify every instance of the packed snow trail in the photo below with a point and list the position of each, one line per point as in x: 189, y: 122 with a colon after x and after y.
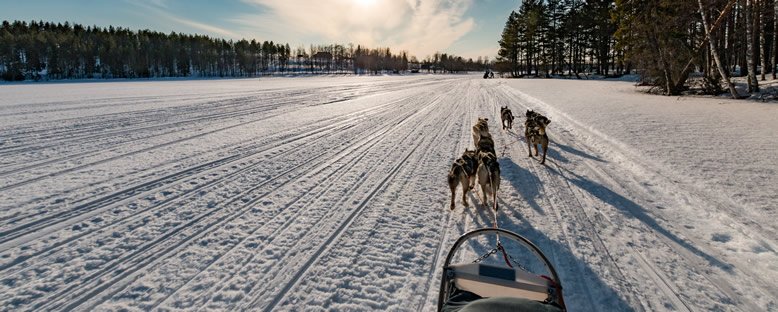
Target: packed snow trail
x: 329, y: 194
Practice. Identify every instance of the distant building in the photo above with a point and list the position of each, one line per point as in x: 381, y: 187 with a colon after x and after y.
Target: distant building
x: 322, y: 59
x: 323, y: 56
x: 415, y: 66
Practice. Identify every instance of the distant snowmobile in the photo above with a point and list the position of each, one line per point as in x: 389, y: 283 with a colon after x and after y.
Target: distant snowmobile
x: 477, y: 286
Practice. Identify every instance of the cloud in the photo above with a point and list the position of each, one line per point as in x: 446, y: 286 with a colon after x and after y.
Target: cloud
x: 204, y: 27
x: 490, y: 51
x: 156, y: 9
x: 160, y: 3
x: 418, y: 26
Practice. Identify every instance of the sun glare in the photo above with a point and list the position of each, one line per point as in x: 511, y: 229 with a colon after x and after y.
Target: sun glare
x: 365, y: 2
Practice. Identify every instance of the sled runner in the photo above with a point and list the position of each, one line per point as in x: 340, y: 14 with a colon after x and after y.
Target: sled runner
x: 477, y: 286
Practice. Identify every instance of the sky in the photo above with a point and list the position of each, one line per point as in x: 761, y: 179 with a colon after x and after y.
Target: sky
x: 468, y: 28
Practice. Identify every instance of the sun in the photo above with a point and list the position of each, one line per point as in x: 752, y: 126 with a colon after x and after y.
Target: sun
x: 365, y: 2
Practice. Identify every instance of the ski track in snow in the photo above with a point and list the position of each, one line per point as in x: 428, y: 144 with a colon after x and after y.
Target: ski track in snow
x: 330, y: 194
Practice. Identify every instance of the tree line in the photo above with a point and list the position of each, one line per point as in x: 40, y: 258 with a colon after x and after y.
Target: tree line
x: 45, y: 50
x: 559, y: 37
x: 671, y: 44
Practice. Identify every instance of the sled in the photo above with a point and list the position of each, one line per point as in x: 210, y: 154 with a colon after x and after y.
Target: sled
x: 479, y: 286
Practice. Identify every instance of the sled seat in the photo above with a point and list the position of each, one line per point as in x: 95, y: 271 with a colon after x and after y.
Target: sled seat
x: 487, y: 280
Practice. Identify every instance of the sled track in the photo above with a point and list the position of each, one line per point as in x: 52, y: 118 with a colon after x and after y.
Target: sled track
x: 106, y: 147
x: 153, y: 119
x: 143, y: 213
x: 159, y: 255
x: 151, y: 186
x: 189, y: 173
x: 445, y: 227
x: 570, y: 204
x: 333, y: 236
x: 671, y: 292
x: 339, y: 172
x: 83, y: 133
x: 369, y: 142
x: 695, y: 260
x: 394, y: 173
x: 16, y: 219
x: 271, y: 104
x: 200, y: 233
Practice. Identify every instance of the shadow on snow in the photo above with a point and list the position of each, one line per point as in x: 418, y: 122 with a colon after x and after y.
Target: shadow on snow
x: 630, y: 207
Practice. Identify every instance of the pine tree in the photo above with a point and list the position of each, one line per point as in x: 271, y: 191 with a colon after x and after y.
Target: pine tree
x: 509, y: 44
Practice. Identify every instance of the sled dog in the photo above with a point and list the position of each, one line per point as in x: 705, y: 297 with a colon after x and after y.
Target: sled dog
x: 507, y: 116
x: 485, y: 144
x: 463, y: 172
x: 458, y: 176
x: 481, y: 128
x: 530, y: 114
x: 535, y: 133
x: 470, y: 158
x: 488, y: 176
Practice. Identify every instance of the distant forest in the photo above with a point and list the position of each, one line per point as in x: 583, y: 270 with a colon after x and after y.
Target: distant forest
x: 667, y: 42
x: 48, y: 51
x: 673, y: 45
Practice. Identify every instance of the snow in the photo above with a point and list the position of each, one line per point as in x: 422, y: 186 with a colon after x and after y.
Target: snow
x: 329, y: 193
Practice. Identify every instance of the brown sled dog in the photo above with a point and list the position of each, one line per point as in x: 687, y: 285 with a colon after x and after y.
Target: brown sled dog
x: 488, y: 176
x: 480, y: 129
x: 485, y: 144
x: 535, y: 133
x: 507, y: 116
x: 463, y: 173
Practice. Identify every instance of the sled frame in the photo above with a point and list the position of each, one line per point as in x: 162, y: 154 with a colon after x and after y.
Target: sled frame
x: 448, y: 275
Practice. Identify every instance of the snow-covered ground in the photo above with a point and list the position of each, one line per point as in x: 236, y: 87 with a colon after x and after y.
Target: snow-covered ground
x: 329, y: 193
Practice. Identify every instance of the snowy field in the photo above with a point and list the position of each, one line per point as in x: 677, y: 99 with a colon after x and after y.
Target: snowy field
x: 330, y: 193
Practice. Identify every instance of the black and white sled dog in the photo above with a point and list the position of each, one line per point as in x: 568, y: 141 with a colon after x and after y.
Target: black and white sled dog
x: 463, y: 173
x: 480, y: 129
x: 535, y: 133
x: 488, y: 176
x: 507, y: 117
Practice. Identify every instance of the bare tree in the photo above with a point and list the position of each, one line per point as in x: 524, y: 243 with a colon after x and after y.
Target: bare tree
x: 722, y: 70
x: 775, y: 38
x: 752, y: 29
x: 762, y: 43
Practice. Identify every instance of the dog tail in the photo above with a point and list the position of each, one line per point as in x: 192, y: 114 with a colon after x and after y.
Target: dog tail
x: 452, y: 179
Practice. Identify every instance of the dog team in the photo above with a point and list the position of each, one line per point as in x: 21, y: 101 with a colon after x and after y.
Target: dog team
x: 482, y: 162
